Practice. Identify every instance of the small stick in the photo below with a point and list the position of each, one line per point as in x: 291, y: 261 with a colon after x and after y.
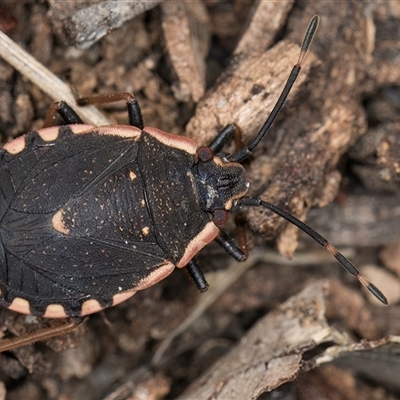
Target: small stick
x: 44, y: 79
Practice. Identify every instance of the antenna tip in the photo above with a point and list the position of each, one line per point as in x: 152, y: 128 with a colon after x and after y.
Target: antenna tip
x: 309, y: 36
x: 315, y: 19
x: 378, y: 294
x: 373, y: 289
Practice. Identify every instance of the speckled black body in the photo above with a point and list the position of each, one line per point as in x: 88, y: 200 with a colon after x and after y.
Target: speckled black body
x: 127, y: 205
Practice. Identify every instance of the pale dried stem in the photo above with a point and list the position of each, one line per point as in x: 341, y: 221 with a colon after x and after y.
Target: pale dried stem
x: 44, y: 79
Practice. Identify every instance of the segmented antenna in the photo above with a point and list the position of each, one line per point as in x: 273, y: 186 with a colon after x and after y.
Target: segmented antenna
x: 344, y: 262
x: 308, y: 37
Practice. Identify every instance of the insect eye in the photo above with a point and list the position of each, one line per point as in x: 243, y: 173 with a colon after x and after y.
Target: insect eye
x: 205, y: 153
x: 220, y: 217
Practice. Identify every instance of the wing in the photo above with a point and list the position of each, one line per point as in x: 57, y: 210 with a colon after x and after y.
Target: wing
x: 102, y: 242
x: 46, y: 175
x: 69, y: 271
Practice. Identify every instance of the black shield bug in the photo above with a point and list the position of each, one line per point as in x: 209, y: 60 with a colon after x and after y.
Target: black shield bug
x: 90, y: 215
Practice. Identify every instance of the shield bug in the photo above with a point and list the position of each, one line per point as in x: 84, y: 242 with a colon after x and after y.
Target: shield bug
x: 90, y: 215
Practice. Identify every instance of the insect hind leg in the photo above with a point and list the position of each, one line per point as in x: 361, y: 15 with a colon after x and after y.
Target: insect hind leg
x: 42, y: 334
x: 134, y: 112
x: 65, y: 111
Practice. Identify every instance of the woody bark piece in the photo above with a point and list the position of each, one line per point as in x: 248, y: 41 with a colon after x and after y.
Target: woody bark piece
x: 246, y: 91
x: 260, y: 32
x: 141, y: 383
x: 377, y: 158
x: 250, y: 85
x: 329, y: 120
x: 271, y: 352
x: 187, y: 40
x: 382, y: 22
x: 377, y: 360
x: 361, y: 219
x: 390, y: 256
x: 83, y: 23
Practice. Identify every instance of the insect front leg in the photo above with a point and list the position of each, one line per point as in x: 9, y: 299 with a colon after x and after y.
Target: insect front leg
x: 224, y: 137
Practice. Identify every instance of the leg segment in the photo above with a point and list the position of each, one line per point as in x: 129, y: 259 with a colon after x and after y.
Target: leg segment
x: 230, y: 247
x: 134, y: 112
x: 43, y: 334
x: 197, y: 276
x: 68, y: 115
x: 231, y: 130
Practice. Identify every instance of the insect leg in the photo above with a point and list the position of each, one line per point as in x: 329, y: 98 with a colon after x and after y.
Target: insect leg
x: 43, y: 334
x: 225, y: 136
x: 197, y: 276
x: 65, y: 111
x: 230, y: 247
x: 134, y: 112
